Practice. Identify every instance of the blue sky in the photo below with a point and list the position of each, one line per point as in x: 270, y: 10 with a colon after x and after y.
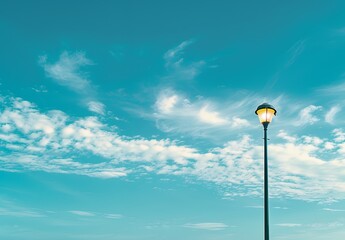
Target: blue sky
x: 135, y: 119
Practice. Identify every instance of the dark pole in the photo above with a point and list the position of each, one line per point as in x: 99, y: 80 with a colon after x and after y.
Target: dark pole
x: 266, y: 219
x: 265, y: 113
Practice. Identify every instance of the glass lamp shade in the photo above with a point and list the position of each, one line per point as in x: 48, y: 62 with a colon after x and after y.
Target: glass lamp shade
x: 265, y: 113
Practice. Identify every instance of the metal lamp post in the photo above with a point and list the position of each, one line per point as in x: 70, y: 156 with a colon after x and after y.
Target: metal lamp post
x: 265, y: 113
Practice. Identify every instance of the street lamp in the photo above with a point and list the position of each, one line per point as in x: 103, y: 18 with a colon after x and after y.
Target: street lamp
x: 265, y: 113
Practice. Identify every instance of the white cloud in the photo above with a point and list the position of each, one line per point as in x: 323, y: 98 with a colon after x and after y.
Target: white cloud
x: 335, y: 89
x: 40, y: 89
x: 23, y: 213
x: 325, y: 226
x: 282, y: 134
x: 329, y: 117
x: 165, y: 103
x: 339, y: 135
x: 67, y: 72
x: 175, y: 112
x: 96, y: 107
x: 111, y: 173
x: 82, y: 213
x: 289, y: 225
x: 57, y: 134
x: 312, y: 140
x: 333, y: 210
x: 211, y: 117
x: 12, y: 209
x: 258, y: 206
x: 175, y: 53
x: 340, y: 31
x: 329, y: 145
x: 306, y: 116
x: 177, y: 67
x: 238, y: 122
x: 282, y: 208
x: 113, y: 216
x: 207, y: 226
x: 53, y: 142
x: 301, y: 164
x: 93, y: 214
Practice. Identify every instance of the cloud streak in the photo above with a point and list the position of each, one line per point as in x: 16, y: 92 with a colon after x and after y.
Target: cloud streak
x: 289, y: 225
x: 333, y: 210
x: 211, y: 226
x: 82, y: 213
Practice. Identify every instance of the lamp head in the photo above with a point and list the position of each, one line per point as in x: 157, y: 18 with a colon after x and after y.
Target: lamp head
x: 265, y: 113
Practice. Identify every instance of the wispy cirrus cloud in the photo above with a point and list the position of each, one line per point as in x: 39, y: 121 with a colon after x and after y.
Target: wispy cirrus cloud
x: 257, y: 206
x: 211, y: 226
x: 82, y: 213
x: 330, y: 115
x: 292, y: 55
x: 12, y: 209
x: 177, y: 67
x: 113, y: 215
x: 18, y: 213
x: 67, y: 71
x: 333, y: 210
x: 295, y: 51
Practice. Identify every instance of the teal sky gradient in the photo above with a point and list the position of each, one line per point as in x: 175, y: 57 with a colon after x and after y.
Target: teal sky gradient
x: 135, y: 119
